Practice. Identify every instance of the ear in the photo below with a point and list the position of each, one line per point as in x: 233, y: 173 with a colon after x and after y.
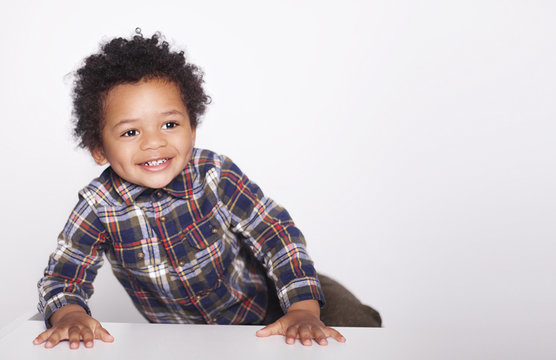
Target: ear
x: 98, y: 155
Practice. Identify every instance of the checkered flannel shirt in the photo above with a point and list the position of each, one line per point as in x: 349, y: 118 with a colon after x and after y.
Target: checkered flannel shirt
x: 196, y: 251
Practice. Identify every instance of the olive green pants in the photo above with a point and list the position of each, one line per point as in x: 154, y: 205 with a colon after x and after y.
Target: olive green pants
x: 342, y: 308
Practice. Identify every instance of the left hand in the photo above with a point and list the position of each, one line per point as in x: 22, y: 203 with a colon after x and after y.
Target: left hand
x: 302, y: 321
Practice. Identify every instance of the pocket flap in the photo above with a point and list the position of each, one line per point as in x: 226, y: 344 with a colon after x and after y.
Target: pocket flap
x: 205, y: 232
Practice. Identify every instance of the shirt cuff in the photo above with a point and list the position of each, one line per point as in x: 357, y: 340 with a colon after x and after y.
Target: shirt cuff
x: 300, y: 289
x: 59, y: 300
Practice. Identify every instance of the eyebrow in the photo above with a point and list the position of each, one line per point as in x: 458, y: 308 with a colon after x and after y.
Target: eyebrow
x: 172, y: 112
x: 124, y: 122
x: 165, y: 113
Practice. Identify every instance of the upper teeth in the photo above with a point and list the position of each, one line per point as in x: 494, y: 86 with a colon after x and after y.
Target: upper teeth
x: 156, y: 162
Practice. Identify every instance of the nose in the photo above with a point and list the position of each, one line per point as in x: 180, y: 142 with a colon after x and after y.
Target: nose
x: 152, y: 140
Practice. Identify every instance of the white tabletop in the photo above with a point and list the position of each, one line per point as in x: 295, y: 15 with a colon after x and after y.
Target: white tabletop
x: 162, y: 341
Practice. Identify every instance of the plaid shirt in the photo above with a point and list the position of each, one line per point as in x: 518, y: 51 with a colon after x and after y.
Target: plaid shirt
x: 197, y: 251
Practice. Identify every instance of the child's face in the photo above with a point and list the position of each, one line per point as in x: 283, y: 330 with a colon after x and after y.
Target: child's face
x: 147, y: 137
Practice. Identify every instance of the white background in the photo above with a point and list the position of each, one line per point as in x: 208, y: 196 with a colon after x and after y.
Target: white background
x: 413, y: 142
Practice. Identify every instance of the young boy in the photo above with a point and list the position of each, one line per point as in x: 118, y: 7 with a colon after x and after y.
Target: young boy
x: 189, y: 236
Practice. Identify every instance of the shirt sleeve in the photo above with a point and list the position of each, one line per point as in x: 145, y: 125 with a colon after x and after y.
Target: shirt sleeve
x: 72, y: 267
x: 269, y: 231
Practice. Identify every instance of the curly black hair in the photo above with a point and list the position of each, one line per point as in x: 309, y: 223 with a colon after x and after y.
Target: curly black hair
x: 122, y: 61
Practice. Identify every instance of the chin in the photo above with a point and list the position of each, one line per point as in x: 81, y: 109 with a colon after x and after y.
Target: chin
x: 155, y: 184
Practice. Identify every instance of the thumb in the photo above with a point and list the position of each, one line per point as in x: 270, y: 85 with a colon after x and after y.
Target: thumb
x: 272, y: 329
x: 102, y: 334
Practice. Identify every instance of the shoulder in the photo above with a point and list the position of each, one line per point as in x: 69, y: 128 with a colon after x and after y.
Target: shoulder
x: 101, y: 190
x: 217, y: 171
x: 205, y: 161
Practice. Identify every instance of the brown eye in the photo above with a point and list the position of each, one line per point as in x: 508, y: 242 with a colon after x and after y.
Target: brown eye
x: 130, y: 133
x: 170, y: 125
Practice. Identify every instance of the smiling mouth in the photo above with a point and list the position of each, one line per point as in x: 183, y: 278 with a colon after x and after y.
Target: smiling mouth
x: 155, y: 162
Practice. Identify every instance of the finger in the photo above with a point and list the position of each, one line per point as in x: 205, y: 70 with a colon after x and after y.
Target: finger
x: 320, y: 336
x: 305, y: 335
x: 42, y: 337
x: 53, y: 339
x: 291, y: 335
x: 273, y: 329
x: 87, y: 336
x: 74, y: 337
x: 102, y: 334
x: 330, y: 332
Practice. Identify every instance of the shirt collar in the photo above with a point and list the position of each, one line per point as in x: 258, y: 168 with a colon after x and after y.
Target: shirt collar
x: 181, y: 186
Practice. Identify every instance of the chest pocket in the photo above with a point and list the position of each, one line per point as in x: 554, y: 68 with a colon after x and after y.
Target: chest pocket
x: 204, y: 233
x: 134, y: 244
x: 211, y: 250
x: 140, y: 254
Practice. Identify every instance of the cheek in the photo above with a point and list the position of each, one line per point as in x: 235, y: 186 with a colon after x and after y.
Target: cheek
x: 118, y: 155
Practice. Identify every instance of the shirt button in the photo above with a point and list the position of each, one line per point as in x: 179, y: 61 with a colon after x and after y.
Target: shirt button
x: 163, y: 218
x: 181, y: 263
x: 213, y: 230
x: 140, y: 255
x: 197, y: 298
x: 213, y: 320
x: 158, y: 193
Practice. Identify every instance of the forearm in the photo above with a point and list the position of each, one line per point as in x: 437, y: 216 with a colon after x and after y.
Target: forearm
x: 63, y: 311
x: 72, y: 267
x: 269, y: 231
x: 56, y: 293
x: 311, y: 306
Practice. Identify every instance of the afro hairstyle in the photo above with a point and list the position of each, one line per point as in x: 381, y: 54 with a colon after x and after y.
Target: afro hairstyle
x: 125, y: 61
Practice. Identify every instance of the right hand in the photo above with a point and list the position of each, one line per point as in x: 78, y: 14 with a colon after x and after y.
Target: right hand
x: 71, y: 322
